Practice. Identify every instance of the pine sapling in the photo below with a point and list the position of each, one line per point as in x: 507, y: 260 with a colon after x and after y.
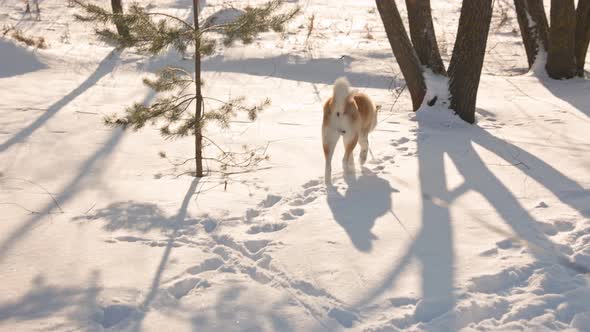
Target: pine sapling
x: 152, y: 33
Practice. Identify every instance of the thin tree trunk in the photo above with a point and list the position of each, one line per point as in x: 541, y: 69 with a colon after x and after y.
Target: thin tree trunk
x: 468, y: 55
x: 38, y: 10
x: 118, y: 9
x: 199, y: 96
x: 423, y: 36
x: 526, y: 30
x: 537, y: 12
x: 582, y: 34
x: 402, y: 50
x: 561, y: 60
x: 534, y: 28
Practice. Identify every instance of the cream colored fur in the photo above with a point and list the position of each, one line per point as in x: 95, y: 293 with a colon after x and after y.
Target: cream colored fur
x: 351, y: 115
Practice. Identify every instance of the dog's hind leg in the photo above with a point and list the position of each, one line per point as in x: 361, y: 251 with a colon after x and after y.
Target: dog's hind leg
x: 348, y: 160
x: 350, y: 141
x: 329, y: 140
x: 364, y: 143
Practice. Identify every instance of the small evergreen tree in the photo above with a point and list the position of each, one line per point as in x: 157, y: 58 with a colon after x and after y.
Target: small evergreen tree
x: 151, y: 33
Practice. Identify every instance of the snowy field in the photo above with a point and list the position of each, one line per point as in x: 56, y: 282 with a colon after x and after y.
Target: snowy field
x: 449, y: 226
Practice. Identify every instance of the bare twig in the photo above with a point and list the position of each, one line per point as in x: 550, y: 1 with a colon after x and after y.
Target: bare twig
x: 402, y: 224
x: 250, y: 159
x: 243, y: 171
x: 310, y: 27
x: 20, y: 206
x: 92, y: 207
x: 42, y: 188
x: 394, y: 102
x: 84, y: 112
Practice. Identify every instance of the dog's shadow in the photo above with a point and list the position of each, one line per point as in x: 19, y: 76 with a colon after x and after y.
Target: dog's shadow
x: 367, y: 198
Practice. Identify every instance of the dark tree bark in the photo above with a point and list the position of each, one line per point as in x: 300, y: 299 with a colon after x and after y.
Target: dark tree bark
x: 423, y: 36
x: 532, y: 21
x: 118, y: 9
x: 468, y: 55
x: 402, y: 50
x: 561, y: 60
x: 526, y: 31
x: 199, y: 97
x: 582, y: 34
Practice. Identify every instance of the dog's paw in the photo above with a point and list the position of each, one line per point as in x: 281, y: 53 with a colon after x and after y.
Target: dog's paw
x: 348, y: 168
x: 363, y: 157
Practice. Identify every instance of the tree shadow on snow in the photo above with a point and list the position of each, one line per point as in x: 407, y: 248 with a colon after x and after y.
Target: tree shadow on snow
x: 367, y: 198
x: 433, y: 245
x: 177, y: 221
x: 218, y: 316
x: 69, y: 191
x: 136, y: 216
x: 229, y: 309
x: 105, y: 67
x: 188, y: 4
x: 296, y: 68
x: 574, y: 91
x: 17, y: 60
x: 43, y: 300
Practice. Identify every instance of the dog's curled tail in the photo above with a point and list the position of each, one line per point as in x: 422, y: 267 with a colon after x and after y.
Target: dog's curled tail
x: 341, y: 92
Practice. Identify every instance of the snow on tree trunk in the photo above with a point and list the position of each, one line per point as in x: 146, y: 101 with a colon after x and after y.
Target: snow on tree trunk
x: 532, y: 21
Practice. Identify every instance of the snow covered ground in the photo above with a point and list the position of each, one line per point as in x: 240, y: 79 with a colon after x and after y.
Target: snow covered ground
x: 448, y: 227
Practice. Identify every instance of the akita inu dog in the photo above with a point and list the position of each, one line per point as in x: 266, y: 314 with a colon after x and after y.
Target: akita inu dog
x: 351, y: 115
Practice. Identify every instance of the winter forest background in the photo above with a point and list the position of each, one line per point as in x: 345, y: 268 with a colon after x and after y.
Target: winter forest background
x: 161, y: 166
